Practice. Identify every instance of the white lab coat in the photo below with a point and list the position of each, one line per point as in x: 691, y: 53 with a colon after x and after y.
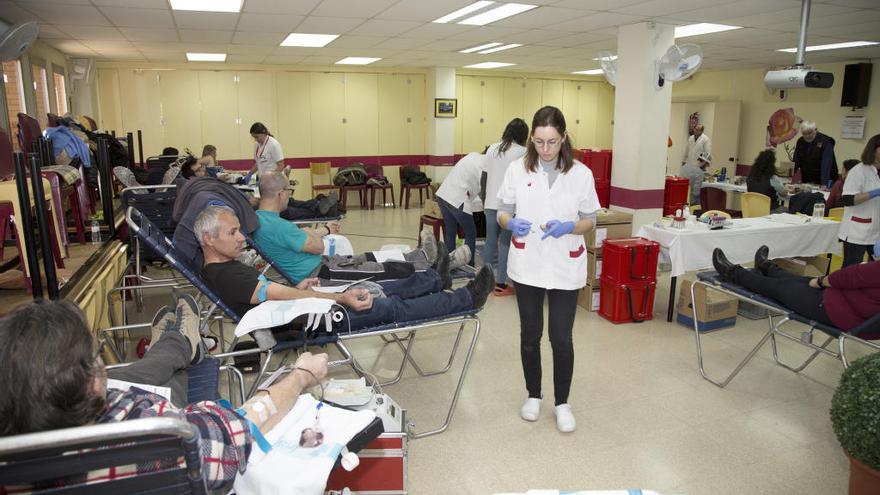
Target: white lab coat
x: 694, y: 148
x: 550, y: 263
x: 865, y: 229
x: 268, y: 155
x: 496, y: 166
x: 462, y: 184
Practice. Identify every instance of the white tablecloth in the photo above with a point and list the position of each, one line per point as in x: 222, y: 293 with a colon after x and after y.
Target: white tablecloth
x: 726, y: 186
x: 691, y: 249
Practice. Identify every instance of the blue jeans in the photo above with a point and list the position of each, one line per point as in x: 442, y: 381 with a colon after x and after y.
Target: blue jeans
x: 497, y: 242
x: 452, y: 218
x: 417, y: 297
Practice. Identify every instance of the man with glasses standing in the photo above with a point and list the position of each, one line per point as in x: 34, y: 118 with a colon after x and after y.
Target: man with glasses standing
x: 697, y: 143
x: 814, y: 156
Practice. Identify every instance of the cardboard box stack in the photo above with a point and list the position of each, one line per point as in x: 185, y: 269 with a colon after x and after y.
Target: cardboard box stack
x: 715, y: 310
x: 610, y: 224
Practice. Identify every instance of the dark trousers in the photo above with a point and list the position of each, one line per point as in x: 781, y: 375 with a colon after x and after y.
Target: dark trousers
x: 853, y: 254
x: 417, y: 297
x: 164, y: 365
x: 297, y: 210
x: 792, y: 291
x: 452, y: 218
x: 563, y: 305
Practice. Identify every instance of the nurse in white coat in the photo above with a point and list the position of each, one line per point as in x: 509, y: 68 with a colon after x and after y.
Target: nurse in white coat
x: 268, y: 155
x: 860, y: 227
x: 548, y: 201
x: 455, y: 198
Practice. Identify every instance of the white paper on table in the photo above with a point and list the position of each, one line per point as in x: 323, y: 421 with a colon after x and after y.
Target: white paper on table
x: 788, y: 218
x: 389, y: 254
x: 274, y: 313
x: 338, y: 289
x: 153, y: 389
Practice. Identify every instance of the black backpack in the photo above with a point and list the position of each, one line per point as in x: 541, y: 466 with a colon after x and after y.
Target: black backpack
x: 415, y: 177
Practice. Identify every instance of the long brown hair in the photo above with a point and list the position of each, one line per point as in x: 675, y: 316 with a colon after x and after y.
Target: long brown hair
x: 550, y: 117
x: 871, y: 150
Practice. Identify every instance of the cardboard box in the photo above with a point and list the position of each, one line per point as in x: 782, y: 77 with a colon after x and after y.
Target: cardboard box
x: 431, y: 208
x: 594, y: 268
x: 715, y: 310
x: 604, y: 231
x: 588, y: 298
x: 812, y: 266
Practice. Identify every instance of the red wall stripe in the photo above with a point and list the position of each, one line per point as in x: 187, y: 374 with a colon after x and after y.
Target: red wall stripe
x: 344, y: 161
x: 636, y: 199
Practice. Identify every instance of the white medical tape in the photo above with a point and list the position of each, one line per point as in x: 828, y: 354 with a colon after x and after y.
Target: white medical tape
x: 270, y: 404
x: 260, y: 409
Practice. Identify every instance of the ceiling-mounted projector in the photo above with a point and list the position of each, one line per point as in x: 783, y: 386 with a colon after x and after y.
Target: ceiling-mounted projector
x: 798, y: 78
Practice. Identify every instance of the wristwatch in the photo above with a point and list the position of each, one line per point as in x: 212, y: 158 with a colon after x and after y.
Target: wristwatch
x: 819, y: 280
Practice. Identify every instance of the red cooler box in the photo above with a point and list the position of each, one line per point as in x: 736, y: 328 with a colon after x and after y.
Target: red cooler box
x: 382, y: 468
x: 603, y: 191
x: 632, y: 260
x: 676, y: 194
x: 625, y: 303
x: 600, y: 163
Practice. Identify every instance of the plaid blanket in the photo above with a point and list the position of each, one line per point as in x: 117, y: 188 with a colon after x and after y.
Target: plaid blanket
x: 68, y: 174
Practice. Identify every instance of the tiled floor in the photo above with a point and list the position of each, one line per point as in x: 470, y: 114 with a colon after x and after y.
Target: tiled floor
x: 646, y: 419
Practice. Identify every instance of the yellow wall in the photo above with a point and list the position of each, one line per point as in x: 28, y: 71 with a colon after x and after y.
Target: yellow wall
x: 819, y: 105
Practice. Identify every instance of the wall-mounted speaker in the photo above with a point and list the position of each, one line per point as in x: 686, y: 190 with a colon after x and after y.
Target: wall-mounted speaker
x: 856, y: 83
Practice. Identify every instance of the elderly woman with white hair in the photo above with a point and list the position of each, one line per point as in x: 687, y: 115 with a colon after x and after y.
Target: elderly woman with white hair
x: 814, y: 156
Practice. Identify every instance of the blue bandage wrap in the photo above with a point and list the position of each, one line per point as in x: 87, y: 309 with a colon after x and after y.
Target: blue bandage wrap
x: 264, y: 444
x: 262, y: 292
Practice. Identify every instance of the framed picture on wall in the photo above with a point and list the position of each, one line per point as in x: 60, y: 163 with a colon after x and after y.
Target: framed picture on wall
x: 446, y: 107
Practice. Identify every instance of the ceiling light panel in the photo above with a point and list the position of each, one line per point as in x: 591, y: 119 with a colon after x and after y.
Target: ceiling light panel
x: 702, y: 28
x: 463, y: 11
x: 832, y: 46
x: 207, y: 5
x: 499, y: 48
x: 308, y: 40
x: 357, y: 61
x: 488, y: 65
x: 480, y: 47
x: 591, y: 72
x: 498, y: 13
x: 206, y: 57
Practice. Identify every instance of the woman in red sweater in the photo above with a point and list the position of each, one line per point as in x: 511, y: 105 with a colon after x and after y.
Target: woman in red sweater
x: 844, y: 299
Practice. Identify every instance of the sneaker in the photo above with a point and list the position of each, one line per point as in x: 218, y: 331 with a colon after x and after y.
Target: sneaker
x: 326, y: 204
x: 210, y: 343
x: 460, y: 256
x: 429, y: 245
x: 531, y: 410
x: 442, y: 266
x: 188, y: 324
x: 481, y: 286
x: 565, y: 419
x: 163, y: 320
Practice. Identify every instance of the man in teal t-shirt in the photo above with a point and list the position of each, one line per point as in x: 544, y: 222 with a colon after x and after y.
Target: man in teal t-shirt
x: 297, y: 251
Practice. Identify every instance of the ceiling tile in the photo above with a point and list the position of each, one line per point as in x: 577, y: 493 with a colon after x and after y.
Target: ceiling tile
x: 138, y: 35
x: 205, y: 36
x: 51, y: 32
x: 93, y: 33
x: 542, y: 17
x: 489, y: 34
x: 421, y: 10
x: 299, y: 7
x: 347, y: 8
x: 663, y: 7
x: 245, y: 59
x: 350, y: 41
x: 139, y: 4
x: 12, y: 12
x: 437, y: 31
x: 862, y: 4
x: 205, y: 20
x: 300, y: 51
x: 72, y: 47
x: 402, y: 43
x: 269, y: 23
x: 283, y: 59
x: 67, y: 15
x: 258, y: 38
x: 328, y: 25
x: 719, y: 13
x: 595, y: 4
x: 374, y: 27
x: 249, y: 49
x: 139, y: 18
x: 320, y: 60
x: 164, y: 57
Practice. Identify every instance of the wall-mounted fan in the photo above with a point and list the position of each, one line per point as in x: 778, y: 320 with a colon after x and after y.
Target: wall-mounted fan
x: 608, y: 62
x: 15, y: 40
x: 679, y: 62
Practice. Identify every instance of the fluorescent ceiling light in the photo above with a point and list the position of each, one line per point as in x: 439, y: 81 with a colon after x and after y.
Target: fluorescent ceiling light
x: 613, y: 57
x: 308, y: 40
x: 832, y: 46
x: 207, y: 5
x: 206, y: 57
x: 463, y: 11
x: 478, y: 48
x: 498, y: 49
x: 497, y: 14
x: 357, y: 60
x: 487, y: 65
x: 591, y: 72
x: 702, y: 28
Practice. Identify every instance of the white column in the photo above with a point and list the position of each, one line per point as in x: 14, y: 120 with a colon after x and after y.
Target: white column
x: 641, y: 122
x: 441, y: 132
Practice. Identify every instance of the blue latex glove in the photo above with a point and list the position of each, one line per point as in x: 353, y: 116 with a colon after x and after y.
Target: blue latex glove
x: 874, y: 193
x: 519, y: 226
x: 247, y: 179
x: 557, y: 229
x: 877, y: 250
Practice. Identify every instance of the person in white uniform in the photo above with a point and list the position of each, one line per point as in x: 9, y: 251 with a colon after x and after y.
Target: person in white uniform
x: 268, y: 155
x: 696, y: 174
x: 498, y: 159
x: 697, y: 143
x: 860, y: 227
x: 548, y: 201
x: 455, y: 197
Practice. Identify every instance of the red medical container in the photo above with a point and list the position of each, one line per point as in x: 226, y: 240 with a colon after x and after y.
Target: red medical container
x: 676, y: 194
x: 382, y: 468
x: 625, y: 303
x: 603, y: 191
x: 600, y: 163
x: 631, y: 260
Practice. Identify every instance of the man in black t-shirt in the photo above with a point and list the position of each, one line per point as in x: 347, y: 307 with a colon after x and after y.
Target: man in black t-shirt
x: 240, y: 287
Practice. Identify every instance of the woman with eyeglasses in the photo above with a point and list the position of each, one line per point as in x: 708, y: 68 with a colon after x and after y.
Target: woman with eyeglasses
x: 548, y: 201
x: 268, y: 155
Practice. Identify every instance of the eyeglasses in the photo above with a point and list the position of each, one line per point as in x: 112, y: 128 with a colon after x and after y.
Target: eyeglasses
x: 550, y: 143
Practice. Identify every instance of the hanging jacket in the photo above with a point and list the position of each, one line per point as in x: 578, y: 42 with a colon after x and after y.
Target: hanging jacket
x: 63, y: 139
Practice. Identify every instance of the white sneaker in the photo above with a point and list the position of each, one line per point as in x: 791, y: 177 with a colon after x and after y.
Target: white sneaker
x: 531, y: 409
x: 565, y: 421
x: 459, y: 256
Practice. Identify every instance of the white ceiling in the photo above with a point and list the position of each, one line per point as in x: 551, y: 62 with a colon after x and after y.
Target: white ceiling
x: 560, y: 36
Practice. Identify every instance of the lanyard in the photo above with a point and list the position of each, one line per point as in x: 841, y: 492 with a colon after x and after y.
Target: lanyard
x: 261, y: 148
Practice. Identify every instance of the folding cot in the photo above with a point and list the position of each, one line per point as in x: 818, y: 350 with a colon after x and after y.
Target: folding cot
x: 863, y: 334
x: 150, y: 235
